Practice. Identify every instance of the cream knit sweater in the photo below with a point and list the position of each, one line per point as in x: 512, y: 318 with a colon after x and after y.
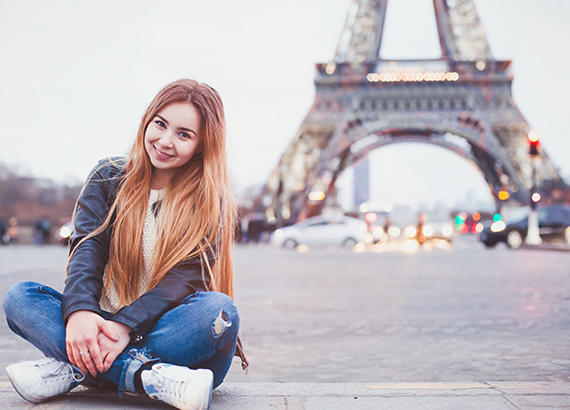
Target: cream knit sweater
x: 110, y: 300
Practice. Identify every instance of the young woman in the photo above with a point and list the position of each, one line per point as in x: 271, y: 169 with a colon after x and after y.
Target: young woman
x: 147, y: 303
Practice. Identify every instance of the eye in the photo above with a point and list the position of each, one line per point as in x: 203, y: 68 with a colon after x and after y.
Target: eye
x: 160, y: 123
x: 184, y: 134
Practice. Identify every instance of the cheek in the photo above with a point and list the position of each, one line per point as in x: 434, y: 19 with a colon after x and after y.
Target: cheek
x: 153, y: 132
x: 189, y: 152
x: 148, y: 135
x: 148, y: 142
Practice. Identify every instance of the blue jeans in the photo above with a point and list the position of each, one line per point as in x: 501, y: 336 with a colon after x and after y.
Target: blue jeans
x: 200, y: 332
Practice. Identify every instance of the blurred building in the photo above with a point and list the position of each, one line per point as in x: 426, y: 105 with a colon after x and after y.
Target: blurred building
x: 361, y: 182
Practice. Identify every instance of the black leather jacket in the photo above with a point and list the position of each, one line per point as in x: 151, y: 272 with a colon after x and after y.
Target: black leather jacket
x: 85, y: 272
x: 84, y: 280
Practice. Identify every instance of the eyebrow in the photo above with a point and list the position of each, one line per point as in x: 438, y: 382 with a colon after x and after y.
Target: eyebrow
x: 180, y: 128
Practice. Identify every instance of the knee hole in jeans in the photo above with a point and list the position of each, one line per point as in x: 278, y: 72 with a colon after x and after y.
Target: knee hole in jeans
x: 221, y: 323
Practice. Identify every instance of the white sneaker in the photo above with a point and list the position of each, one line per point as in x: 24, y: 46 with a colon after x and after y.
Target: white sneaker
x: 179, y: 386
x: 38, y: 380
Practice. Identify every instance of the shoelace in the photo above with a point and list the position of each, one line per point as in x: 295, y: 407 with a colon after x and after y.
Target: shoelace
x: 172, y: 387
x: 63, y: 369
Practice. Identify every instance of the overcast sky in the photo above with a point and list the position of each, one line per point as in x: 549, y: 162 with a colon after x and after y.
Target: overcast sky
x: 77, y: 75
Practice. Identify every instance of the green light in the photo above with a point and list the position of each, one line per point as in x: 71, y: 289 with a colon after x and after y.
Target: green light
x: 459, y: 220
x: 497, y: 217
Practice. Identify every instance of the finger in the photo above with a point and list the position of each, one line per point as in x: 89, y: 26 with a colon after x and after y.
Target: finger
x: 88, y: 361
x: 105, y: 356
x: 85, y: 357
x: 69, y: 351
x: 109, y: 360
x: 95, y: 352
x: 71, y: 354
x: 109, y: 331
x: 77, y: 360
x: 105, y: 344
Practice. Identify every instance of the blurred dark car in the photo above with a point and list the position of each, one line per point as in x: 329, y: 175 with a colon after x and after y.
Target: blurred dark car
x: 553, y: 222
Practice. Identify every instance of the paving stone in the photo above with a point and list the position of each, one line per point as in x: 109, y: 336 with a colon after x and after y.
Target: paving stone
x: 407, y: 403
x: 538, y: 401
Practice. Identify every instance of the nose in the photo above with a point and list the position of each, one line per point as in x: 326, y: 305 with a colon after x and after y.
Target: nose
x: 165, y: 140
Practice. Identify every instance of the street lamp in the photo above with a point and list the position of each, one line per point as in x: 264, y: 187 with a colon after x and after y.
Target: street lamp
x: 533, y: 233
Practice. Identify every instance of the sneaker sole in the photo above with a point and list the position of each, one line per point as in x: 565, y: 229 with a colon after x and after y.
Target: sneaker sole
x: 19, y: 389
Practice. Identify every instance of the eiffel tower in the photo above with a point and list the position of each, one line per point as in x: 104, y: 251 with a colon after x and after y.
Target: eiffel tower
x: 461, y: 101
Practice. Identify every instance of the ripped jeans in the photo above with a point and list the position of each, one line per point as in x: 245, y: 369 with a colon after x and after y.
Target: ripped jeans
x: 200, y: 332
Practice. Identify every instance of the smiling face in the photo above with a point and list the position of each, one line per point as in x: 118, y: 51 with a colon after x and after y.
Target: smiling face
x: 171, y: 140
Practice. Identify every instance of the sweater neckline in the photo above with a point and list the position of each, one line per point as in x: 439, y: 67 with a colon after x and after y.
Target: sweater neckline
x: 156, y: 194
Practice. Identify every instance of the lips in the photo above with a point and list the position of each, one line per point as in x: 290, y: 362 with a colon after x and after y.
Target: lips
x: 162, y: 155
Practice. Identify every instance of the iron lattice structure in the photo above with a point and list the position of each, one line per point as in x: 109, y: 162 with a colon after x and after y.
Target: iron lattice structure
x: 461, y: 101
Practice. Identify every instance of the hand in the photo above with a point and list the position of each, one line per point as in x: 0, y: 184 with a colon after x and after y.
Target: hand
x: 81, y: 333
x: 110, y: 348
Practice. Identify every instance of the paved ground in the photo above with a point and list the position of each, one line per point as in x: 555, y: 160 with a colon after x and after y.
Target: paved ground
x: 335, y: 396
x: 426, y: 329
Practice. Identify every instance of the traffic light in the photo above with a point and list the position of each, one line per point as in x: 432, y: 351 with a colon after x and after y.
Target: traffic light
x: 503, y: 195
x: 533, y: 141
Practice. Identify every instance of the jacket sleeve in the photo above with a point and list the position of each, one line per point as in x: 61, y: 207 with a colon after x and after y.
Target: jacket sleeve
x: 85, y: 269
x: 182, y: 280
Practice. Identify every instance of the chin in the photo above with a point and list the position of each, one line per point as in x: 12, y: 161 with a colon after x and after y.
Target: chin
x: 160, y: 165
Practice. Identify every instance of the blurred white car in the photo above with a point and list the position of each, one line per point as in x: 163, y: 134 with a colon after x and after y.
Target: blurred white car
x: 322, y: 231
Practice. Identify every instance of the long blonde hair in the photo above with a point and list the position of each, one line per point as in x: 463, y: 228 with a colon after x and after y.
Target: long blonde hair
x: 196, y: 216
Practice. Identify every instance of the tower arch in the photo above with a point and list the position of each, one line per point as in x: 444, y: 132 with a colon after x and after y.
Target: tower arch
x: 327, y: 175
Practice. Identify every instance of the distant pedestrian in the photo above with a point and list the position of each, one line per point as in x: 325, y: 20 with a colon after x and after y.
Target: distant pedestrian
x: 12, y: 232
x: 46, y: 230
x: 150, y: 273
x: 3, y: 233
x: 243, y: 223
x: 420, y: 235
x: 42, y: 229
x: 386, y: 229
